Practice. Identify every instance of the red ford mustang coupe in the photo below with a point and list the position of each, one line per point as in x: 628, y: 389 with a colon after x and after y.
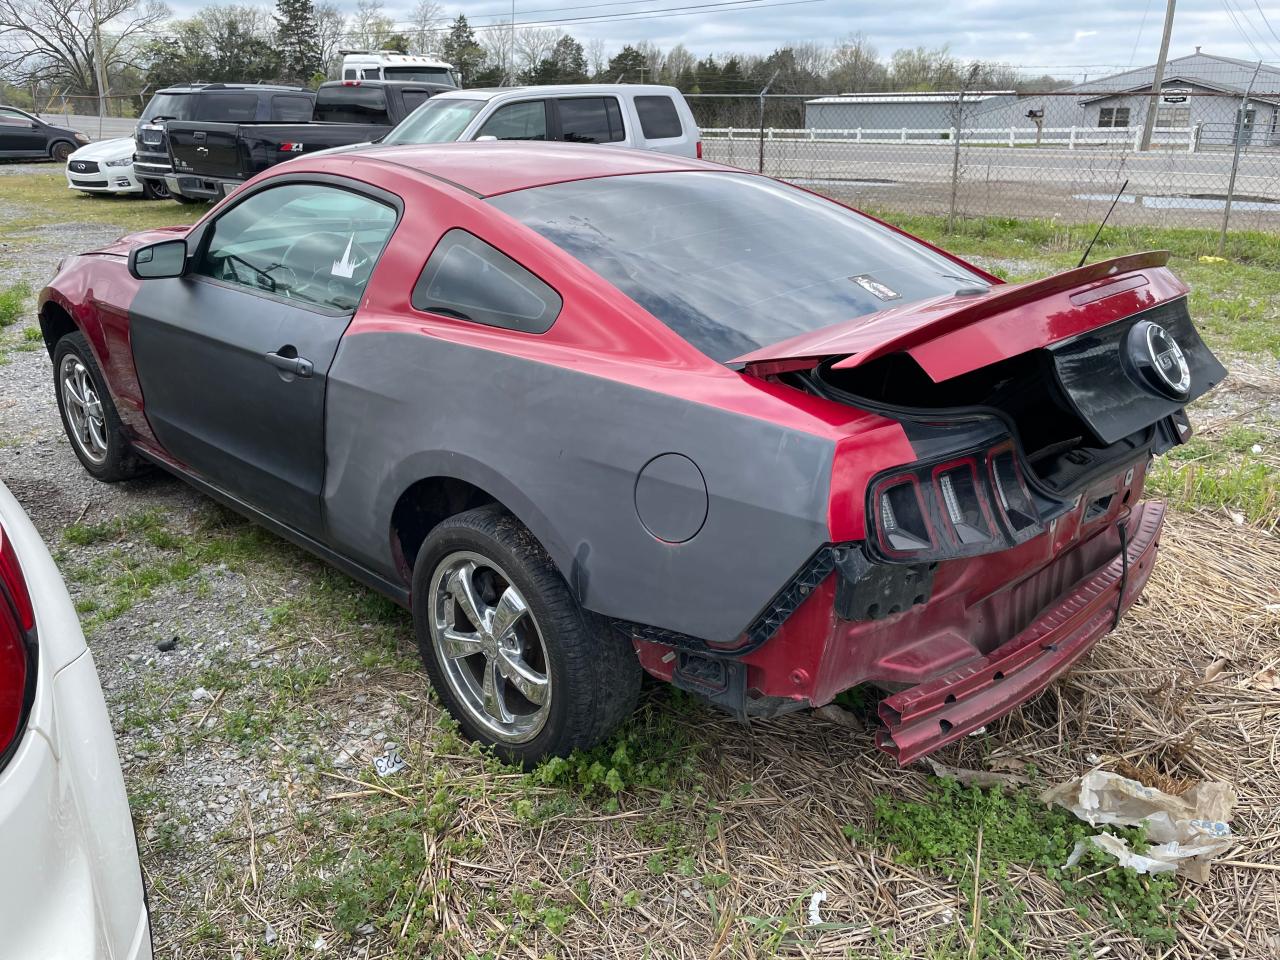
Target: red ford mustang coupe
x: 591, y: 412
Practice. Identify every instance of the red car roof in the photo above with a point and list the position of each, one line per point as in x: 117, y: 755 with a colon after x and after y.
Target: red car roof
x: 494, y: 167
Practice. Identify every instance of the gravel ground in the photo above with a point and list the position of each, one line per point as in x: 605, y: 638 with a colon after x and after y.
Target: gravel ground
x: 251, y: 689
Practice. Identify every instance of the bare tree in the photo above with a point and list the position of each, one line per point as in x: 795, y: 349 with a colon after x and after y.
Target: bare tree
x: 497, y: 52
x: 331, y: 28
x: 597, y: 55
x: 678, y: 61
x: 532, y: 46
x: 856, y: 66
x: 370, y: 28
x: 812, y: 58
x: 52, y: 41
x: 427, y: 23
x: 653, y: 60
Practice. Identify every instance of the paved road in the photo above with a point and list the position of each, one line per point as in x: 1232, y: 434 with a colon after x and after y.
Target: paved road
x: 110, y: 126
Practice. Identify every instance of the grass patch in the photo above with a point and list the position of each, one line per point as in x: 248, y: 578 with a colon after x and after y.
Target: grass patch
x: 1221, y: 473
x: 940, y: 832
x: 13, y: 303
x: 47, y: 199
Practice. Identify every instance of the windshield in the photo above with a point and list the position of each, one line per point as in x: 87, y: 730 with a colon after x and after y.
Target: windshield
x: 436, y: 121
x: 734, y: 262
x: 174, y: 106
x: 420, y: 74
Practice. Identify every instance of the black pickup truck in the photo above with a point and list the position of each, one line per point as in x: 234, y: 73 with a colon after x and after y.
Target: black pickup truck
x: 212, y: 159
x: 207, y: 103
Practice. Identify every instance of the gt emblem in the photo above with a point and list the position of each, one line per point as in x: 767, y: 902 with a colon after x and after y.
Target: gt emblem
x: 1158, y: 359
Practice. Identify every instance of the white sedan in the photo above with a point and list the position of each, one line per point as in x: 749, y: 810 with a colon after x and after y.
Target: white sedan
x: 106, y: 166
x: 70, y: 885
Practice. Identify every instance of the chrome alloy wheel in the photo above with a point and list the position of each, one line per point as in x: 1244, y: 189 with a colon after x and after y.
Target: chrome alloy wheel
x: 84, y: 409
x: 490, y: 647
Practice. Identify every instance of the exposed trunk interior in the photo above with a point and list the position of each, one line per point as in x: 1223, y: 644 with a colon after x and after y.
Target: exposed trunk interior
x: 1058, y: 446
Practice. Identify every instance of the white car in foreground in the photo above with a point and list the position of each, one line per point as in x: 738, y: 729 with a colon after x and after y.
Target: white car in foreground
x: 106, y: 166
x: 70, y: 885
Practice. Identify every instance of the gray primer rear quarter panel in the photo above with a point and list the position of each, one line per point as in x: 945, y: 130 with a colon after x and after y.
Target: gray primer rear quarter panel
x: 561, y: 449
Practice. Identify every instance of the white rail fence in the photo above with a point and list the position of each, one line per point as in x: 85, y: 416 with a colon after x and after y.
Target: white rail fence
x: 1129, y: 138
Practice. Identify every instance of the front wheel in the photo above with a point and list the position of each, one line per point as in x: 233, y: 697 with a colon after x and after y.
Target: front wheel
x: 155, y: 190
x: 61, y: 150
x: 88, y: 414
x: 513, y: 656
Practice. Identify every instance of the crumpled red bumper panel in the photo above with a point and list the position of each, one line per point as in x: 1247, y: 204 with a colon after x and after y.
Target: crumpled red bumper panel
x: 923, y: 718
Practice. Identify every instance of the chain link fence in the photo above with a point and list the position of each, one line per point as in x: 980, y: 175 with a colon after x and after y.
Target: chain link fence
x: 1211, y: 158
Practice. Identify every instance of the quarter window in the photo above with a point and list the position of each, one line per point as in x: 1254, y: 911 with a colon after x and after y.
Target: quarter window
x: 291, y: 109
x: 468, y: 279
x: 308, y: 242
x: 413, y: 99
x: 1113, y: 117
x: 658, y: 118
x: 591, y: 120
x: 518, y: 121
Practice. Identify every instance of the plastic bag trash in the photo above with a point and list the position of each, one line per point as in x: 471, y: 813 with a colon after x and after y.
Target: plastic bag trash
x: 389, y: 763
x: 815, y: 902
x: 1185, y: 831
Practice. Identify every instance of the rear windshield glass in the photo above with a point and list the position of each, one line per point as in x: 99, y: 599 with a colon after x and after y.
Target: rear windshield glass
x: 418, y: 74
x: 438, y: 120
x: 170, y: 106
x: 351, y: 104
x: 733, y: 262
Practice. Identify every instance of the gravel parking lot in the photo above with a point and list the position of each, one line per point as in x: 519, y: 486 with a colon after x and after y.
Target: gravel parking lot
x: 252, y: 688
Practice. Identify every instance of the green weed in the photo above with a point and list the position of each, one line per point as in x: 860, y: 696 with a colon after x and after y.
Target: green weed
x: 13, y: 303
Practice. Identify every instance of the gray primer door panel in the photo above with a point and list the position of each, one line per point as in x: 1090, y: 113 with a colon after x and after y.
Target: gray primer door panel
x: 217, y: 405
x: 563, y: 451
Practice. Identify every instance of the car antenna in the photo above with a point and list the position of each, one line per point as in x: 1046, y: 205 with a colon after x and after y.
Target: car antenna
x: 1085, y: 256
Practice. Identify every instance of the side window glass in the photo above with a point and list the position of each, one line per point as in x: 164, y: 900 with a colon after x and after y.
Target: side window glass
x: 518, y: 121
x: 591, y: 120
x: 470, y: 280
x: 290, y: 109
x: 313, y: 243
x: 13, y: 117
x: 229, y: 107
x: 658, y: 118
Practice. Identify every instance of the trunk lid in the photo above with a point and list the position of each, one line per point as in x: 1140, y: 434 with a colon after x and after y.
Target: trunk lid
x: 952, y: 335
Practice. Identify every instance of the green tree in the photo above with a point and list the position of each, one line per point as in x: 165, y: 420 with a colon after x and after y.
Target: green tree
x: 297, y: 39
x: 627, y: 65
x: 231, y: 44
x: 567, y: 64
x: 462, y: 50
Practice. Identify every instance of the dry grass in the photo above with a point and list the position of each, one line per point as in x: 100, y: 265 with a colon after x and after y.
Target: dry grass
x: 722, y: 861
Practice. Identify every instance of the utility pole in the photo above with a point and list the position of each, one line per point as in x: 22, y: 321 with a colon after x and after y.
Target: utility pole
x: 1241, y: 113
x: 1157, y: 81
x: 100, y: 68
x: 763, y: 94
x: 511, y: 54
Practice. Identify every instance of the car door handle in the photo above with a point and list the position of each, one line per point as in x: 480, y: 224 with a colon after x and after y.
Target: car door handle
x: 299, y: 366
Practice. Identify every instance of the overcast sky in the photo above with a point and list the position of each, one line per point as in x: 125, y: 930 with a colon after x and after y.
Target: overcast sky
x: 1091, y: 33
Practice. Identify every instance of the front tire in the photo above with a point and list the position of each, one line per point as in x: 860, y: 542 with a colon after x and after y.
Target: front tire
x: 513, y: 656
x: 155, y: 190
x: 88, y: 414
x: 61, y: 150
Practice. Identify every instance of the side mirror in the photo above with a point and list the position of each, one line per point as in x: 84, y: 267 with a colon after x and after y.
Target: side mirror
x: 487, y: 138
x: 168, y: 258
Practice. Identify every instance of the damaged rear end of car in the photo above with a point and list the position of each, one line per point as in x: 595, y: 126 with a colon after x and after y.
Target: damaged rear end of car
x: 963, y: 581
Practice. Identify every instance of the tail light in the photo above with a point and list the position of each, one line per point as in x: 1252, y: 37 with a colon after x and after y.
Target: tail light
x: 17, y: 650
x: 965, y: 505
x: 698, y: 149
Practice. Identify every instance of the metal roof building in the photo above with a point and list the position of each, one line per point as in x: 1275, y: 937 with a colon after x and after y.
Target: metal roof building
x: 897, y: 111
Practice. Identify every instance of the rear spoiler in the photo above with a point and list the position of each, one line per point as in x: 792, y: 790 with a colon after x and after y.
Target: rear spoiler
x: 954, y: 334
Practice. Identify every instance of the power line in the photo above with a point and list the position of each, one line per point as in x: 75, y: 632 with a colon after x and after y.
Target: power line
x: 1266, y: 21
x: 1239, y: 29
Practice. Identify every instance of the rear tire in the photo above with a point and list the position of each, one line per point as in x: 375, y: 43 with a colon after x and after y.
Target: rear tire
x: 528, y: 671
x: 61, y: 150
x: 88, y: 414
